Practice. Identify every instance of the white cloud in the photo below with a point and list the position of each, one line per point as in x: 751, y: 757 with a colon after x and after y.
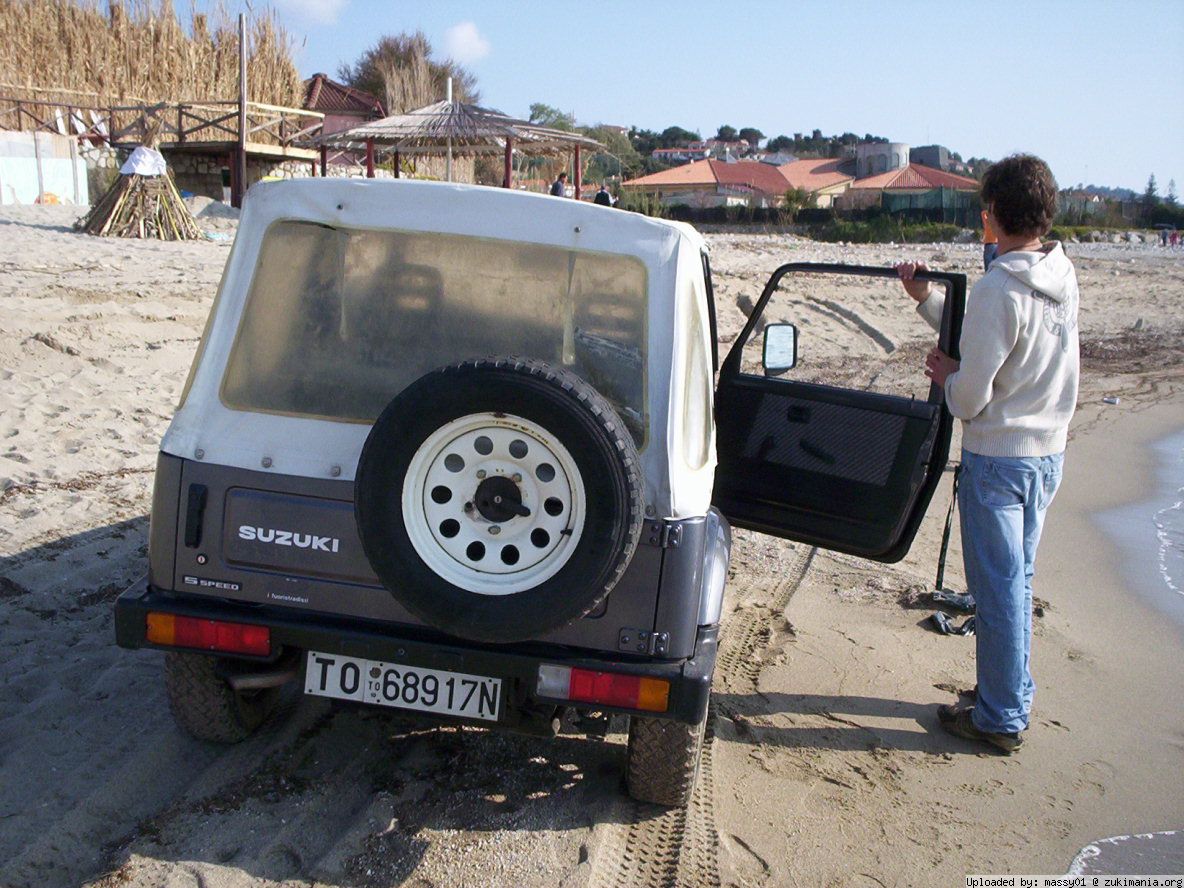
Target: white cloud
x: 463, y: 43
x: 317, y: 12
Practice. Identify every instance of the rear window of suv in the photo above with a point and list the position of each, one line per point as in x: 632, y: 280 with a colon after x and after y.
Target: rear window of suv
x: 339, y: 321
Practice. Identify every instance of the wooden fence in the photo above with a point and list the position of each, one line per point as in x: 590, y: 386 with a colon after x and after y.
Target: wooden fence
x: 181, y: 123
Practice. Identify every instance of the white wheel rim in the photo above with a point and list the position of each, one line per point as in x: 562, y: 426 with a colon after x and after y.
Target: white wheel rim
x: 464, y: 546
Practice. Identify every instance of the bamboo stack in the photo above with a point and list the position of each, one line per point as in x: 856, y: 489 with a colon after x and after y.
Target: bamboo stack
x: 143, y: 207
x: 138, y: 51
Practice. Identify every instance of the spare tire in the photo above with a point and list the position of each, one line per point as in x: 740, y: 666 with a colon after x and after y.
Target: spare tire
x: 499, y: 499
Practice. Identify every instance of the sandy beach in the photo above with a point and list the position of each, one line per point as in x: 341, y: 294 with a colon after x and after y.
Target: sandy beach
x: 825, y: 766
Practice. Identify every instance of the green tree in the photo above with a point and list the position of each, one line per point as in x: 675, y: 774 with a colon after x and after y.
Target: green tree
x: 796, y: 199
x: 751, y: 135
x: 400, y: 70
x: 546, y: 115
x: 780, y: 143
x: 644, y: 141
x: 1151, y: 194
x: 1150, y: 197
x: 1172, y: 200
x: 676, y: 137
x: 621, y: 158
x: 726, y: 133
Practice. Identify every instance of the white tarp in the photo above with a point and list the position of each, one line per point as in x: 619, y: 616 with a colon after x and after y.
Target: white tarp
x: 144, y: 161
x: 678, y: 478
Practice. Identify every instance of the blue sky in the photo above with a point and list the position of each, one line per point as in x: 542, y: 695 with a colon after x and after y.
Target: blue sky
x: 1096, y: 87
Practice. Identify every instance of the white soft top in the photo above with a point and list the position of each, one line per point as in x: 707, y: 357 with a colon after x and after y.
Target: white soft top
x: 677, y: 485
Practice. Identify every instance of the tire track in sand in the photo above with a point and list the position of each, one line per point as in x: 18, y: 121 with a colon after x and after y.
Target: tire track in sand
x: 653, y: 847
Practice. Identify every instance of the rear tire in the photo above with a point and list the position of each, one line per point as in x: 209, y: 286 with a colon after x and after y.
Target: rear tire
x: 206, y: 707
x: 663, y: 759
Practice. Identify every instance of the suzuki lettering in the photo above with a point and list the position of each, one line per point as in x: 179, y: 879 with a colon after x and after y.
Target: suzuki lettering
x: 288, y: 538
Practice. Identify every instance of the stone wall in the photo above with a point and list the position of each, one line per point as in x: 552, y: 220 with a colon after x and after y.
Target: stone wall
x: 199, y: 173
x: 102, y: 167
x: 208, y: 174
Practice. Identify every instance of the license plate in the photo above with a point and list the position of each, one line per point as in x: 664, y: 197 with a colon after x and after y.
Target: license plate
x: 403, y: 686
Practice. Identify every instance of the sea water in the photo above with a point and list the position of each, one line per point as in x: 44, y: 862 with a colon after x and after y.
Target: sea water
x: 1150, y: 533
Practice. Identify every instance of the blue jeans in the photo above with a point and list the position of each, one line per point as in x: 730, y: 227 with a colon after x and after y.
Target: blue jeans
x: 1002, y: 501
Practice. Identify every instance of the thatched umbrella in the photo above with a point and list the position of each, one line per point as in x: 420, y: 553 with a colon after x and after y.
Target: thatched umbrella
x: 448, y: 128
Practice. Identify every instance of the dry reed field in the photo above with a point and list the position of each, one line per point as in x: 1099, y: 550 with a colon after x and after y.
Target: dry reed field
x: 91, y: 54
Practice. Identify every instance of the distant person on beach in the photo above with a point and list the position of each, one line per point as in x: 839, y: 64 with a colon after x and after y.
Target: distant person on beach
x: 1014, y: 390
x: 990, y: 242
x: 603, y: 197
x: 559, y: 186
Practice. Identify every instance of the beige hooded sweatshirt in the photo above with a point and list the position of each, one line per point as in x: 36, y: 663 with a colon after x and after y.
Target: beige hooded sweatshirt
x: 1016, y: 387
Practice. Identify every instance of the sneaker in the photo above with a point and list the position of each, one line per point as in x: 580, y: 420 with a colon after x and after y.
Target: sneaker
x: 960, y: 723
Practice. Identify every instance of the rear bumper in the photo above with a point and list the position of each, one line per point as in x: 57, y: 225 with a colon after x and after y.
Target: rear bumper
x: 517, y: 665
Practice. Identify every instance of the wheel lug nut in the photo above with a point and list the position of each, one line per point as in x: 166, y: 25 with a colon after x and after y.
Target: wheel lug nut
x: 468, y: 507
x: 495, y: 530
x: 480, y: 473
x: 517, y: 478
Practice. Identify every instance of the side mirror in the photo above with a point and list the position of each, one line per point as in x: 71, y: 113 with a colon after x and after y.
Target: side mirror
x: 780, y: 350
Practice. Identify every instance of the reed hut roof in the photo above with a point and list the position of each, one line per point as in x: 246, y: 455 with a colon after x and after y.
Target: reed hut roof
x: 469, y: 128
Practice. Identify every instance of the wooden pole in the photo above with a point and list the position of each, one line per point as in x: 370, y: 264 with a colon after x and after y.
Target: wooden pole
x: 508, y: 180
x: 577, y: 176
x: 238, y: 182
x: 398, y: 163
x: 324, y: 160
x: 234, y: 188
x: 449, y: 132
x: 40, y: 175
x: 369, y: 158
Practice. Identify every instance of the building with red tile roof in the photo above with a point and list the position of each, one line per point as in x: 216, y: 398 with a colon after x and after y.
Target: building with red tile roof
x: 914, y: 187
x: 915, y: 177
x: 822, y: 177
x: 343, y: 106
x: 709, y: 183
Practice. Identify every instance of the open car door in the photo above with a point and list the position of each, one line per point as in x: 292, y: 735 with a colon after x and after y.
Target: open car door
x: 845, y: 469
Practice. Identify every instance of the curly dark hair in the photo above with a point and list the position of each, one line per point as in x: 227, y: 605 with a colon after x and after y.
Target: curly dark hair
x: 1023, y: 195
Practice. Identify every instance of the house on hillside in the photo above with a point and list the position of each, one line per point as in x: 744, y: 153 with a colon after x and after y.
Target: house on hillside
x: 680, y: 155
x: 822, y: 177
x: 915, y: 187
x: 714, y: 183
x: 872, y: 158
x: 938, y: 157
x: 1081, y: 203
x: 935, y: 156
x: 343, y: 106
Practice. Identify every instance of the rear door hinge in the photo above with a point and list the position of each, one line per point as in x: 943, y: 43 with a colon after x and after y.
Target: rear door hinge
x: 642, y: 641
x: 663, y: 534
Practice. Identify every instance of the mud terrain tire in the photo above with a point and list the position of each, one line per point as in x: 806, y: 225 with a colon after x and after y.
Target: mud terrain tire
x: 206, y: 707
x: 662, y: 761
x: 584, y: 433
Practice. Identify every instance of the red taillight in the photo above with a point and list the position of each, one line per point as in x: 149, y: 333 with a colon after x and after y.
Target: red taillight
x: 209, y: 635
x: 609, y: 688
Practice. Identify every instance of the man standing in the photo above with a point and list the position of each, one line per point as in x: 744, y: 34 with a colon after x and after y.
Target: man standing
x: 1014, y: 390
x: 990, y: 243
x: 603, y: 198
x: 559, y: 186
